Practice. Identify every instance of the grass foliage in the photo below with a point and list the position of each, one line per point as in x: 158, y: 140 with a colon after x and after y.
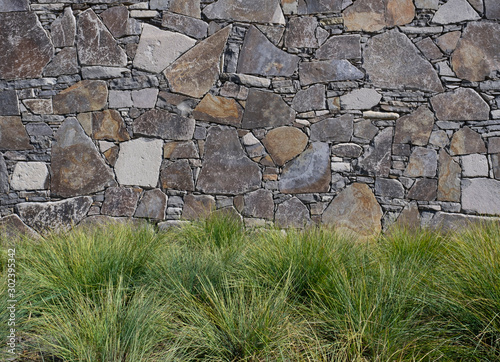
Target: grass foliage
x: 213, y: 291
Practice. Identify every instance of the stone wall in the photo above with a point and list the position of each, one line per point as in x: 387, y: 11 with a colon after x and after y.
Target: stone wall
x: 346, y: 113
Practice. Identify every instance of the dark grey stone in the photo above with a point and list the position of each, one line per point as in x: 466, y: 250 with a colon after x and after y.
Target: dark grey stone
x: 177, y: 176
x: 192, y: 27
x: 39, y: 129
x: 162, y: 124
x: 389, y: 188
x: 14, y: 5
x: 340, y: 47
x: 13, y: 135
x: 312, y: 98
x: 259, y: 204
x: 63, y: 29
x: 328, y: 71
x: 152, y: 205
x: 319, y: 6
x: 4, y: 176
x: 336, y: 130
x: 266, y: 109
x: 301, y: 32
x: 8, y: 103
x: 64, y: 62
x: 120, y: 201
x: 424, y: 189
x: 347, y: 150
x: 292, y: 213
x: 377, y: 159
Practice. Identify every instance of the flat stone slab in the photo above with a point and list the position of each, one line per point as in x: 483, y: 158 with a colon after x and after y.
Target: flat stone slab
x: 58, y: 215
x: 226, y: 168
x: 63, y: 29
x: 466, y: 141
x: 481, y: 195
x: 13, y: 135
x: 423, y: 163
x: 14, y: 5
x: 84, y: 96
x: 261, y: 57
x: 292, y: 214
x: 355, y: 210
x: 187, y: 25
x: 158, y: 49
x: 475, y: 165
x: 257, y: 11
x: 266, y: 109
x: 415, y: 128
x: 259, y: 204
x: 456, y: 222
x: 386, y: 60
x: 463, y: 104
x: 12, y: 227
x: 309, y: 172
x: 25, y: 48
x: 64, y: 62
x: 139, y: 162
x: 109, y: 125
x: 177, y: 176
x: 219, y: 110
x: 455, y: 11
x: 30, y: 176
x: 165, y: 125
x: 335, y: 130
x: 312, y: 98
x: 152, y: 205
x: 340, y: 47
x: 328, y: 71
x: 361, y: 99
x: 285, y: 143
x: 77, y: 167
x: 197, y: 206
x: 301, y: 32
x: 377, y: 160
x: 449, y: 178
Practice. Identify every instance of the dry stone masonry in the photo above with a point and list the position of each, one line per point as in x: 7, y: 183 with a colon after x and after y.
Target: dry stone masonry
x: 350, y: 113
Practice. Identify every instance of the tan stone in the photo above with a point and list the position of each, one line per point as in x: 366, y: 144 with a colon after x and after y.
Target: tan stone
x: 463, y: 104
x: 13, y: 135
x: 175, y: 150
x: 449, y: 178
x: 415, y: 128
x: 197, y: 206
x: 466, y: 141
x: 448, y: 42
x: 109, y: 125
x: 219, y: 110
x: 399, y: 12
x: 374, y: 15
x: 84, y: 96
x: 284, y: 143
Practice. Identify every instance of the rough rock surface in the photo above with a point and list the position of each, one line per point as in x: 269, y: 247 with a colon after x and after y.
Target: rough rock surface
x: 292, y: 213
x: 116, y: 20
x: 14, y: 5
x: 347, y: 150
x: 84, y: 96
x: 13, y: 135
x: 9, y: 104
x: 185, y: 7
x: 409, y: 217
x: 109, y: 125
x: 377, y: 160
x: 454, y: 11
x: 466, y: 141
x: 387, y: 187
x: 29, y: 176
x: 197, y: 206
x: 266, y: 109
x: 340, y: 47
x: 463, y: 104
x: 449, y: 178
x: 362, y: 99
x: 259, y: 204
x: 475, y: 165
x: 328, y: 71
x: 63, y: 29
x: 481, y: 195
x: 424, y: 189
x: 4, y: 176
x: 492, y: 9
x: 301, y: 33
x: 335, y: 130
x: 152, y: 205
x: 455, y: 222
x: 177, y: 150
x: 120, y: 201
x: 177, y: 176
x: 219, y: 110
x: 415, y: 128
x: 162, y: 124
x: 312, y: 98
x: 284, y: 143
x: 192, y: 27
x: 258, y: 11
x: 64, y: 62
x: 423, y: 163
x: 12, y: 227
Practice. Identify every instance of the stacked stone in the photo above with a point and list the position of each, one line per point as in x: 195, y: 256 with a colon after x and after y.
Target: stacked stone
x: 352, y: 114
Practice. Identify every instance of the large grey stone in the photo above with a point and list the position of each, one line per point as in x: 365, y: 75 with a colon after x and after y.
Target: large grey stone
x: 261, y: 57
x: 387, y: 187
x: 120, y: 201
x: 362, y: 99
x: 197, y: 206
x: 335, y: 130
x: 196, y: 71
x: 226, y: 169
x: 139, y: 162
x: 328, y: 71
x: 423, y: 163
x: 158, y: 49
x: 466, y: 141
x: 4, y: 176
x: 319, y: 6
x: 284, y: 143
x: 449, y: 178
x: 463, y: 104
x: 58, y: 215
x: 177, y: 176
x: 63, y: 29
x: 292, y: 213
x: 475, y: 165
x: 9, y: 104
x: 84, y: 96
x: 456, y: 222
x: 14, y: 5
x: 95, y: 44
x: 77, y: 168
x: 455, y: 11
x: 13, y: 135
x: 260, y: 204
x: 257, y: 11
x: 187, y: 25
x: 492, y: 9
x: 29, y: 176
x: 116, y: 20
x: 64, y: 62
x: 162, y: 124
x: 424, y: 189
x: 12, y: 227
x: 355, y: 210
x: 301, y: 32
x: 415, y: 128
x: 152, y: 205
x: 377, y: 160
x: 481, y: 195
x: 309, y: 172
x: 266, y: 109
x: 340, y: 47
x: 25, y: 48
x: 312, y: 98
x: 386, y: 60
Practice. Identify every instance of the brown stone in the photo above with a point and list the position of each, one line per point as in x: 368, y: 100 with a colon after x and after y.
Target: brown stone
x: 284, y: 143
x: 424, y: 189
x: 226, y: 168
x: 13, y: 135
x: 197, y: 206
x: 463, y: 104
x: 116, y: 20
x: 64, y: 62
x: 76, y: 166
x: 266, y: 109
x: 476, y: 55
x: 219, y: 110
x: 374, y: 15
x: 9, y: 104
x: 186, y: 7
x: 152, y: 205
x: 84, y: 96
x: 112, y: 155
x: 399, y: 12
x: 176, y: 150
x: 292, y: 213
x: 429, y: 49
x: 39, y: 106
x: 340, y: 47
x: 328, y: 71
x: 109, y: 125
x: 177, y: 176
x: 196, y: 71
x: 120, y: 201
x: 448, y: 42
x: 466, y: 141
x: 12, y: 227
x: 95, y: 44
x: 162, y: 124
x: 409, y: 217
x: 355, y: 210
x: 377, y: 160
x: 259, y: 204
x: 335, y: 130
x: 415, y: 128
x: 25, y: 48
x: 301, y: 33
x: 449, y: 178
x: 63, y: 29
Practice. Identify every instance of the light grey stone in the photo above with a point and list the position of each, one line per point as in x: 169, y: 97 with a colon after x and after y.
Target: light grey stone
x: 456, y: 222
x: 139, y: 162
x: 364, y: 98
x: 258, y: 11
x: 63, y: 29
x: 98, y: 72
x: 475, y: 165
x: 439, y: 139
x: 14, y: 5
x: 455, y: 11
x: 387, y: 187
x: 29, y: 176
x: 187, y: 25
x: 144, y: 98
x: 427, y: 4
x: 423, y: 163
x: 377, y: 160
x: 328, y: 71
x: 312, y: 98
x: 481, y: 195
x: 292, y: 213
x: 365, y: 129
x: 335, y: 130
x: 120, y: 99
x: 492, y: 8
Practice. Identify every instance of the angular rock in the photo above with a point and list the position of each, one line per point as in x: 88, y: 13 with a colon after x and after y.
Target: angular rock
x: 39, y: 106
x: 226, y: 169
x: 58, y: 215
x: 310, y: 99
x: 448, y: 42
x: 449, y: 178
x: 494, y: 145
x: 429, y: 49
x: 365, y: 129
x: 158, y: 49
x: 4, y: 176
x: 257, y: 11
x: 197, y: 206
x: 475, y: 165
x: 340, y: 47
x: 492, y: 9
x: 284, y: 143
x: 116, y: 20
x: 176, y: 150
x: 273, y: 33
x: 196, y: 71
x: 309, y: 172
x: 98, y: 72
x: 39, y: 129
x: 177, y: 176
x: 476, y: 54
x: 120, y: 99
x: 29, y: 176
x: 261, y: 57
x: 63, y: 29
x: 423, y: 163
x: 120, y: 201
x: 387, y: 187
x: 139, y: 162
x: 328, y: 71
x: 152, y: 205
x: 301, y: 32
x: 292, y: 213
x: 355, y: 210
x: 266, y: 109
x: 64, y: 62
x: 335, y: 130
x: 219, y: 110
x: 415, y: 128
x: 111, y: 155
x: 95, y: 44
x: 13, y: 135
x: 259, y: 204
x: 481, y: 196
x: 162, y: 124
x: 377, y: 160
x: 456, y: 222
x: 409, y: 217
x: 455, y: 11
x: 424, y: 189
x: 466, y: 141
x: 495, y: 165
x: 109, y: 125
x: 84, y: 96
x: 347, y: 150
x: 363, y: 99
x: 77, y: 168
x: 319, y: 6
x: 186, y: 7
x: 12, y: 227
x: 386, y: 60
x: 9, y: 103
x: 439, y: 139
x: 25, y: 48
x: 463, y: 104
x: 144, y: 98
x: 192, y: 27
x: 7, y: 6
